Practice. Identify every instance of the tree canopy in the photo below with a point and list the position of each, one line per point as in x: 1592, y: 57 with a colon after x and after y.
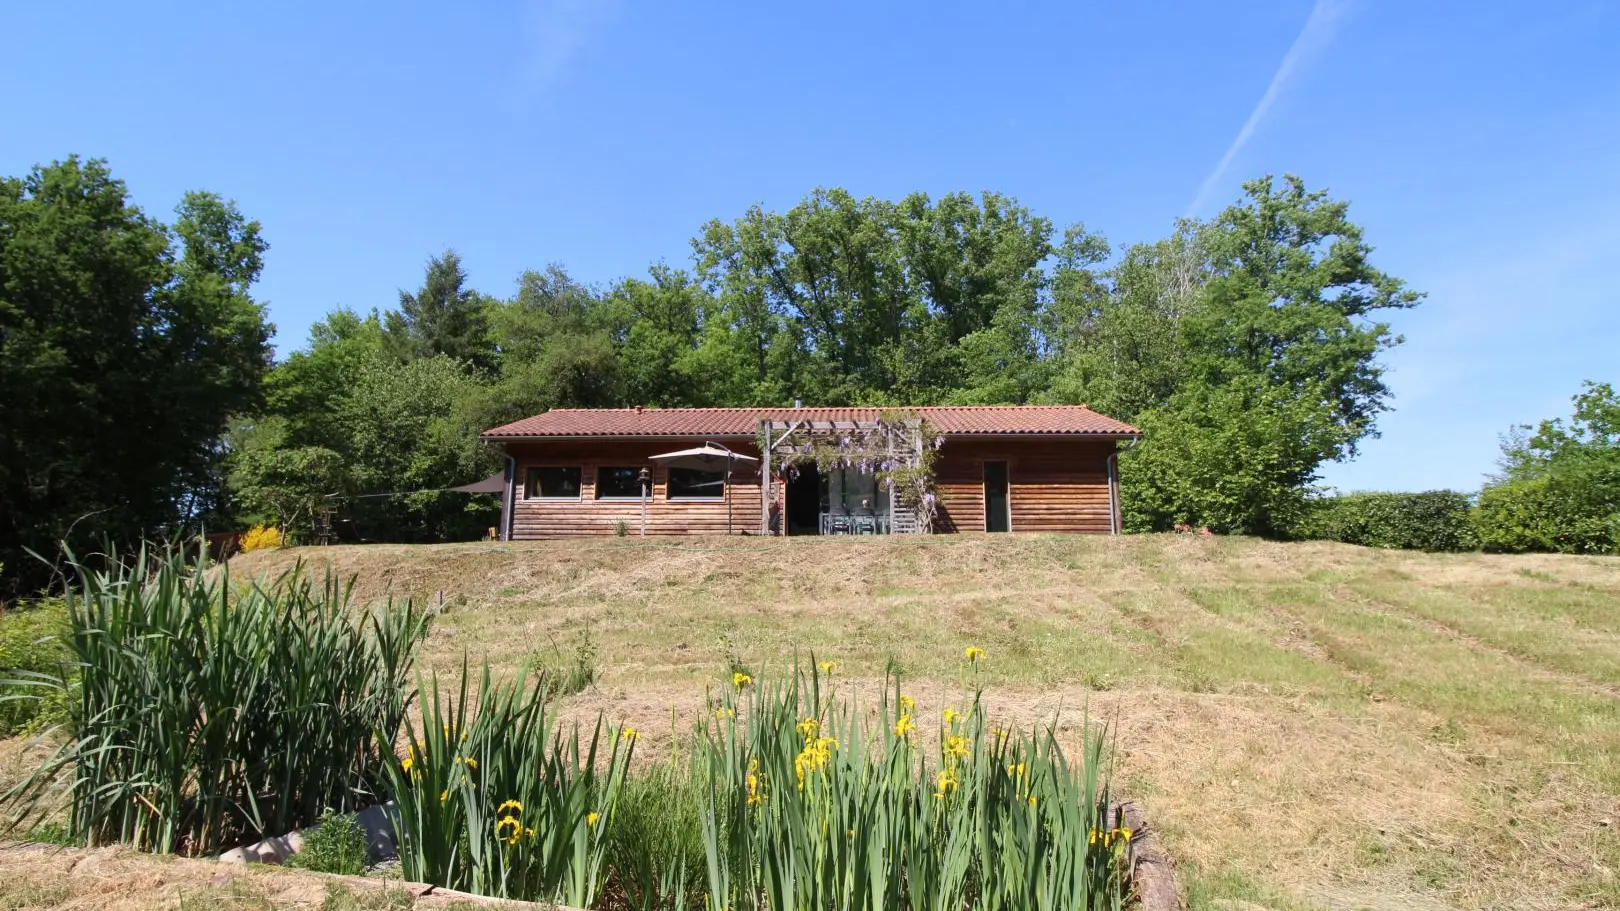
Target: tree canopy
x: 125, y: 346
x: 1247, y: 346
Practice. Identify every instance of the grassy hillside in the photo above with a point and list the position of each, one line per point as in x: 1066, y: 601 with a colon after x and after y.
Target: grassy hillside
x: 1312, y: 725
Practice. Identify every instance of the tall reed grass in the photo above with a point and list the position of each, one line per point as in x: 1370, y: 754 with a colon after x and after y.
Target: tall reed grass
x: 819, y: 802
x: 211, y: 712
x: 786, y: 795
x: 493, y: 798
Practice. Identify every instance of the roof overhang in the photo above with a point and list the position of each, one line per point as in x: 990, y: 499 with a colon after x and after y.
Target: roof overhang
x: 669, y: 437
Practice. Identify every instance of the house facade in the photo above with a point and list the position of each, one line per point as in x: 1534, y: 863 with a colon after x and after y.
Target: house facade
x: 700, y: 471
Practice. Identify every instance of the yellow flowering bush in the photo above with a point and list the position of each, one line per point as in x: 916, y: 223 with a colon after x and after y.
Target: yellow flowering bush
x: 261, y: 537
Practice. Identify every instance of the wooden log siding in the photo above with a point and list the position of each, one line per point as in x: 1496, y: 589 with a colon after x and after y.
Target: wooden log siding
x: 536, y: 517
x: 1053, y: 484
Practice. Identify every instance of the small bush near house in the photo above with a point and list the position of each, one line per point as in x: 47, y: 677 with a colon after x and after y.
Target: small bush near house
x: 261, y: 537
x: 35, y: 667
x: 1435, y: 520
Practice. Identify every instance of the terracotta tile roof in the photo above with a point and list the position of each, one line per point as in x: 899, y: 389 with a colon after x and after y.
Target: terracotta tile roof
x: 737, y: 422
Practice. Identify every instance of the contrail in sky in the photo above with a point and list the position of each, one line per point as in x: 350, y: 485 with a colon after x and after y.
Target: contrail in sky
x: 1312, y: 40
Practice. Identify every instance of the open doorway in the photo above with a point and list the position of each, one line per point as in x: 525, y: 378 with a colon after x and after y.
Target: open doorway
x: 803, y: 501
x: 997, y: 515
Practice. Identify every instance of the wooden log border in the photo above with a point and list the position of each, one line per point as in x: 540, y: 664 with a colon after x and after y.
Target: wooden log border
x: 1153, y: 877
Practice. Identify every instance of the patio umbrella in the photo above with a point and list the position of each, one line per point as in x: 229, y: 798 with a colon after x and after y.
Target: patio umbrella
x: 708, y: 456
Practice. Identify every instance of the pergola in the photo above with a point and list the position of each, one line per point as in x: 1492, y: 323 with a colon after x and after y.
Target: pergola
x: 892, y: 443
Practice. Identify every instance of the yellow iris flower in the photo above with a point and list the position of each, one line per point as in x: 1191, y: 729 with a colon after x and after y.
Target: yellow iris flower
x: 509, y: 822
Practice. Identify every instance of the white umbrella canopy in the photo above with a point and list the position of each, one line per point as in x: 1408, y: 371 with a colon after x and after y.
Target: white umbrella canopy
x: 705, y: 456
x: 708, y: 456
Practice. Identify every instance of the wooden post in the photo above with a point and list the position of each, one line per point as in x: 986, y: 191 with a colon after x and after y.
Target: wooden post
x: 646, y: 482
x: 765, y: 479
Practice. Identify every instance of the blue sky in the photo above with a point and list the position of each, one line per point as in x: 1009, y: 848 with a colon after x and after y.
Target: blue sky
x: 1479, y: 145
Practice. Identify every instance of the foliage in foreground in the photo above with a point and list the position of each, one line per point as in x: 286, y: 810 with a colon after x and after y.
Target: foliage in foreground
x: 785, y: 796
x: 1435, y: 520
x: 211, y: 713
x: 492, y: 798
x: 35, y: 668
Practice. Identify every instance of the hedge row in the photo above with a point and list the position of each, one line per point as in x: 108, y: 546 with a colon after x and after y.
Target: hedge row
x: 1435, y: 520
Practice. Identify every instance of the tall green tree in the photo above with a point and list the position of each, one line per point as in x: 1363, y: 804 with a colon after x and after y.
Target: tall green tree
x: 409, y: 435
x: 444, y: 317
x: 848, y: 300
x: 125, y: 347
x: 1253, y: 337
x: 555, y: 347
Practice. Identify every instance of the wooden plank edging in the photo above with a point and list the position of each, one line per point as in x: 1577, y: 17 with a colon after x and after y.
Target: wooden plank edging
x: 1153, y: 878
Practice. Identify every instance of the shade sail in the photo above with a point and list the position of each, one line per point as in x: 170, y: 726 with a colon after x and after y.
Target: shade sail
x: 495, y: 483
x: 705, y: 456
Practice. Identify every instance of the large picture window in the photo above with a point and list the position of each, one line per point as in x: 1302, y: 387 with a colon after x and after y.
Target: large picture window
x: 696, y: 484
x: 618, y: 483
x: 552, y: 483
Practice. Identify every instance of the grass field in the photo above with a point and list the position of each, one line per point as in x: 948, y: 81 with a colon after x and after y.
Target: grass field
x: 1310, y: 725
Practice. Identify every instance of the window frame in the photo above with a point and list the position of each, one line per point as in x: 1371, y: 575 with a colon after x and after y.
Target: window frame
x: 689, y: 498
x: 531, y: 482
x: 632, y: 498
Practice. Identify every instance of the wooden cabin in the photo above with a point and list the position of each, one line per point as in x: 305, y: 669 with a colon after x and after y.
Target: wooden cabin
x: 767, y: 471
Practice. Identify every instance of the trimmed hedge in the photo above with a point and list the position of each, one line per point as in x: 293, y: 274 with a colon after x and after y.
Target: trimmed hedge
x: 1435, y: 520
x: 1549, y: 514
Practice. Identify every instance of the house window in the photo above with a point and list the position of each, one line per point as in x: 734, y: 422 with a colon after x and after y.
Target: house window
x: 696, y: 484
x: 618, y: 483
x: 552, y: 483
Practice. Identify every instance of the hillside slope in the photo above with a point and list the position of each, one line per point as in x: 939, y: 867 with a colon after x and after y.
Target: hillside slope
x: 1313, y: 725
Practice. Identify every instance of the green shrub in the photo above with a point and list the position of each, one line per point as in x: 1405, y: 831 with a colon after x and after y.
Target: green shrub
x: 1435, y: 520
x: 211, y: 713
x: 559, y: 677
x: 1548, y: 514
x: 36, y: 668
x: 655, y: 844
x: 337, y: 845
